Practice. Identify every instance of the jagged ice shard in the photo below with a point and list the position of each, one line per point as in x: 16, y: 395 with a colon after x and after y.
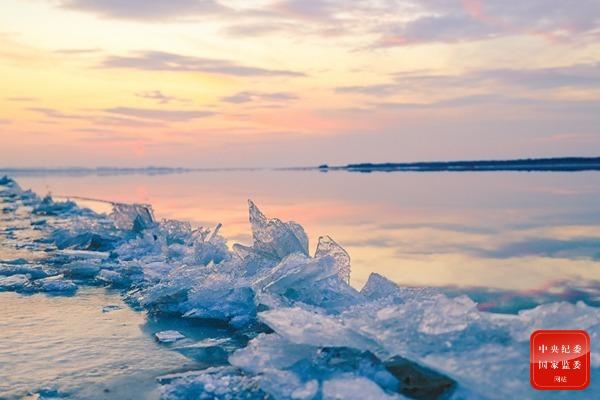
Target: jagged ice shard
x: 301, y: 330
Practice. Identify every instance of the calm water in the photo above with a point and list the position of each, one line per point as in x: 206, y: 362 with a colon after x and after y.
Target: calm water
x: 69, y: 345
x: 510, y: 240
x: 509, y: 231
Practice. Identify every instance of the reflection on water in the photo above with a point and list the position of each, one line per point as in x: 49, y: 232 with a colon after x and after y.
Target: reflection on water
x: 69, y: 344
x: 535, y: 233
x: 510, y: 240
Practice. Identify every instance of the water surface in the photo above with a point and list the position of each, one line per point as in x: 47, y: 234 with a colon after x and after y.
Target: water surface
x: 69, y: 345
x: 536, y: 234
x: 509, y: 240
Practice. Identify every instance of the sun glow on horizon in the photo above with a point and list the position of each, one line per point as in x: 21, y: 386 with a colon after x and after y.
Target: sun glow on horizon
x: 232, y: 83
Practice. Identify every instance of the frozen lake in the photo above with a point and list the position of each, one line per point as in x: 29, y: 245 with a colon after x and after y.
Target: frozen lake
x: 536, y: 234
x: 510, y: 241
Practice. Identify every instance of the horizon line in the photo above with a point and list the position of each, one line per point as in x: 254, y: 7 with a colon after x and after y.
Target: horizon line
x: 320, y: 166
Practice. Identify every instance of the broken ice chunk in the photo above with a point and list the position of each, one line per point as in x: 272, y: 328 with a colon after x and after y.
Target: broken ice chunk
x: 11, y: 188
x: 298, y: 231
x: 209, y: 351
x: 14, y: 282
x: 55, y: 283
x: 275, y: 237
x: 313, y: 281
x: 213, y: 249
x: 331, y: 294
x: 154, y: 271
x: 168, y: 336
x: 218, y: 383
x: 16, y: 261
x: 147, y: 243
x: 220, y: 297
x: 304, y: 327
x: 81, y: 269
x: 355, y: 388
x: 296, y: 270
x: 132, y: 217
x: 449, y: 315
x: 288, y: 385
x: 50, y: 207
x: 332, y: 362
x: 173, y: 288
x: 5, y: 180
x: 269, y: 351
x: 34, y: 271
x: 379, y: 287
x: 47, y: 393
x: 88, y: 241
x: 176, y: 231
x: 87, y: 254
x: 112, y: 278
x: 327, y: 246
x: 254, y: 261
x: 555, y: 315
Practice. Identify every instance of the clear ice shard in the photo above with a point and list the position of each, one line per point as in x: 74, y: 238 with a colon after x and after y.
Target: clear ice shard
x: 267, y: 352
x: 275, y: 237
x: 381, y: 289
x: 168, y: 336
x: 301, y: 326
x: 296, y: 270
x: 132, y: 217
x: 328, y: 247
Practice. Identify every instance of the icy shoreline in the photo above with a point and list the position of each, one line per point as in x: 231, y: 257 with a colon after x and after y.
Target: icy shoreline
x: 307, y: 334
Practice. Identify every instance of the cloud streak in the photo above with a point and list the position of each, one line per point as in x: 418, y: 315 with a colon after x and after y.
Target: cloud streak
x: 164, y: 61
x: 251, y: 96
x: 467, y: 20
x: 145, y: 10
x: 394, y: 22
x: 572, y: 76
x: 576, y: 248
x: 77, y: 51
x: 126, y: 116
x: 160, y: 115
x: 159, y: 97
x: 571, y: 106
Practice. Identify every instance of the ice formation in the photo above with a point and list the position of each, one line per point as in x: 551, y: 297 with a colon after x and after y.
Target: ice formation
x: 169, y: 336
x: 301, y: 331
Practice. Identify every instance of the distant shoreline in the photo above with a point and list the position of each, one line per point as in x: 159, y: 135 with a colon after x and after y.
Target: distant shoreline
x: 558, y: 164
x: 564, y: 164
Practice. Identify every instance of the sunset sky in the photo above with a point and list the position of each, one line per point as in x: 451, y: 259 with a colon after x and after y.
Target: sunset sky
x: 217, y: 83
